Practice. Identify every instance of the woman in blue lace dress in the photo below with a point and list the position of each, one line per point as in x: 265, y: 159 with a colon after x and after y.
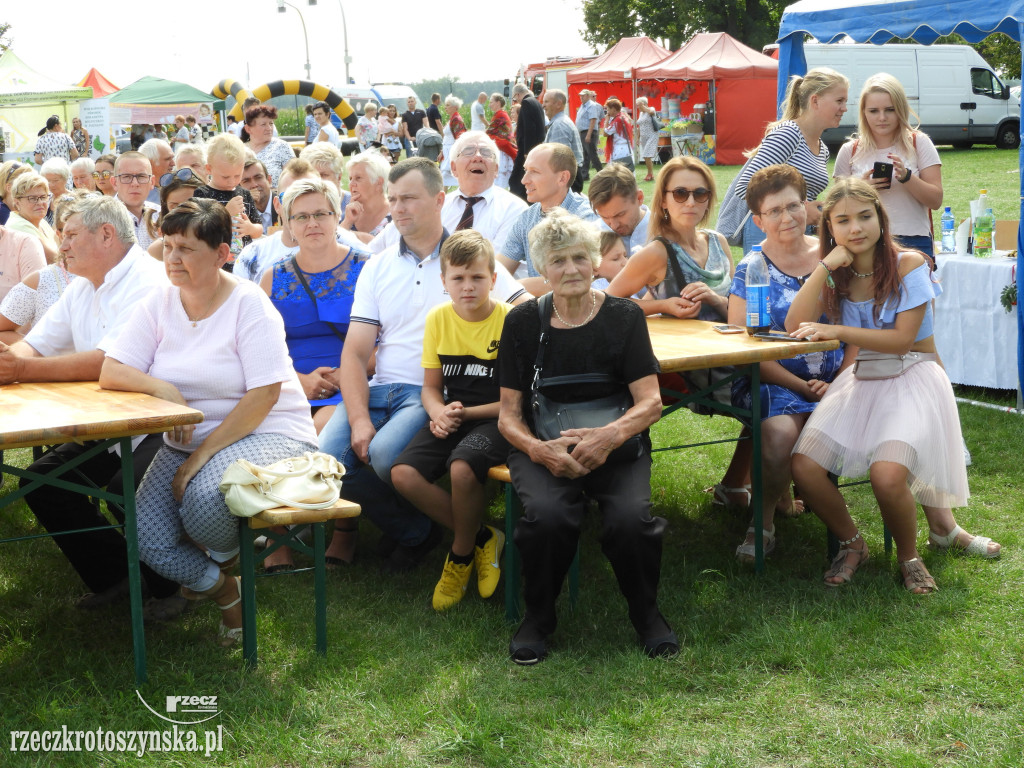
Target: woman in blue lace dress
x: 791, y: 388
x: 313, y: 291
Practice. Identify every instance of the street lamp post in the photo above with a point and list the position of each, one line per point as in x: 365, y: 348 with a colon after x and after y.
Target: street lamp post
x: 280, y: 9
x: 344, y: 32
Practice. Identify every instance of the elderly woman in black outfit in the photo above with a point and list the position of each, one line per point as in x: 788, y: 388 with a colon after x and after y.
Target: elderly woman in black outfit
x: 590, y: 332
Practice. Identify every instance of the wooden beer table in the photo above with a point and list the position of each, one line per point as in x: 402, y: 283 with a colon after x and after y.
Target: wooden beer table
x: 48, y: 414
x: 689, y: 345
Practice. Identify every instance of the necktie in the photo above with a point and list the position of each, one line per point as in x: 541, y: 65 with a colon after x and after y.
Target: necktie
x: 466, y: 222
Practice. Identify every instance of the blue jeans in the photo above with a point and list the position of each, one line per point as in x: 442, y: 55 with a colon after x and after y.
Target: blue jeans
x: 397, y: 414
x: 752, y: 235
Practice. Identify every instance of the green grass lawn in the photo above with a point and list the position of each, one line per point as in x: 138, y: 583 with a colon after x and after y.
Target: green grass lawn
x: 775, y: 670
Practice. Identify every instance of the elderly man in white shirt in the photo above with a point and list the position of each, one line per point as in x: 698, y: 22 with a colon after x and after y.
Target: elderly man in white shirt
x: 68, y: 344
x: 494, y: 210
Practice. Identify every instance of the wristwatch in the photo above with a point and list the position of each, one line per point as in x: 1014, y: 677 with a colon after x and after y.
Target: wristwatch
x: 906, y: 178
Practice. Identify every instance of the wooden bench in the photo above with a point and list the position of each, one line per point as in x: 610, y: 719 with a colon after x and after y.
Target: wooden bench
x: 512, y: 566
x: 298, y: 520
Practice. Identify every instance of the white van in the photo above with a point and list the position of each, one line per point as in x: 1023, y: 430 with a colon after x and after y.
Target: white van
x: 956, y: 95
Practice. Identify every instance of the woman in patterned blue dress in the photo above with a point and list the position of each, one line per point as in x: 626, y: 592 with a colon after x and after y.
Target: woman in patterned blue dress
x: 313, y: 291
x: 791, y: 388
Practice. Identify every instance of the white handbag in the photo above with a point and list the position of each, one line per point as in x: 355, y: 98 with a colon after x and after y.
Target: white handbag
x: 312, y: 481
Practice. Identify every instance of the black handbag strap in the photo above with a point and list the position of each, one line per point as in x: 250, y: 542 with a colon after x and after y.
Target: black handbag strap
x: 309, y: 292
x: 544, y: 305
x: 677, y: 271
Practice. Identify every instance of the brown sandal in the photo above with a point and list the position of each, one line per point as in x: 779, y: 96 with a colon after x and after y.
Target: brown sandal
x: 841, y: 569
x: 916, y: 578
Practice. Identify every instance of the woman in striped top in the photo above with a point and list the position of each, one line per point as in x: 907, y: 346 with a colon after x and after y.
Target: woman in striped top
x: 814, y: 103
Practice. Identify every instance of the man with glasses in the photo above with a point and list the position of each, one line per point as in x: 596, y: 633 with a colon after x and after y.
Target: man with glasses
x: 132, y: 182
x: 478, y: 203
x: 376, y: 420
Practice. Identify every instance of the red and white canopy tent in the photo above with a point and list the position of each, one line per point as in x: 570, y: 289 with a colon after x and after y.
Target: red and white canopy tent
x: 612, y: 74
x: 739, y: 80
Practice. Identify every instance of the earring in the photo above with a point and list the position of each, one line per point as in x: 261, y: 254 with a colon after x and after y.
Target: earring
x: 665, y: 216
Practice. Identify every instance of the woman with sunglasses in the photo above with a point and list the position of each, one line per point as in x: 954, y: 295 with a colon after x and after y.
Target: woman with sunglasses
x: 104, y: 173
x: 684, y: 195
x: 175, y: 188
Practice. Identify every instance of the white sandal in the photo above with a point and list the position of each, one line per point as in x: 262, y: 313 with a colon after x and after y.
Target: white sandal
x: 720, y: 496
x: 228, y: 636
x: 978, y: 546
x: 745, y: 552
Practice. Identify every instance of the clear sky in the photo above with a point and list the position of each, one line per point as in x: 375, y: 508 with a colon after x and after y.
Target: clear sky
x: 202, y: 43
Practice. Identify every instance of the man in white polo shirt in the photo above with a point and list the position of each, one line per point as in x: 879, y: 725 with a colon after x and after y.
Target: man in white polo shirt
x: 68, y: 344
x: 395, y: 291
x: 494, y: 210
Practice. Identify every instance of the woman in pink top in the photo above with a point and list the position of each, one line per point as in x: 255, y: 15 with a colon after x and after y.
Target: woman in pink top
x: 216, y: 344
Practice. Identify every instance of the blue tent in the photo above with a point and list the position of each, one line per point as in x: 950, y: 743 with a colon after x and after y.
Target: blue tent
x: 878, y: 21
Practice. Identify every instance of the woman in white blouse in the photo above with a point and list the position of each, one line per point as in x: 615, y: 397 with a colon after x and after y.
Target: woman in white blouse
x: 246, y: 387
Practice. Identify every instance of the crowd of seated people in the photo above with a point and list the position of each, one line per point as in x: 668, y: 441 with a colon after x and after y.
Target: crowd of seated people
x: 375, y: 317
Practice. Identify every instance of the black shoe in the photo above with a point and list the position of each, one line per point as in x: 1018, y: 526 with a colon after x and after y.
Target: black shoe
x: 526, y: 653
x: 94, y: 600
x: 406, y: 558
x: 664, y: 647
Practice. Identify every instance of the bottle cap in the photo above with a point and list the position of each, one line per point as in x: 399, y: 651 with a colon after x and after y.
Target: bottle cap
x: 947, y: 209
x: 755, y: 249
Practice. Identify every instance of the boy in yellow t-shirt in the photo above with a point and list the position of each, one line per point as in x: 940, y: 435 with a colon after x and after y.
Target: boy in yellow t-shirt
x: 460, y: 395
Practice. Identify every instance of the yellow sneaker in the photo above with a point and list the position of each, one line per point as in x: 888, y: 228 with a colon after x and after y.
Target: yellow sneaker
x: 488, y: 563
x: 452, y: 586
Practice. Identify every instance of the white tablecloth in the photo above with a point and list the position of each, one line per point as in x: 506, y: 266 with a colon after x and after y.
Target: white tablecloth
x: 975, y: 336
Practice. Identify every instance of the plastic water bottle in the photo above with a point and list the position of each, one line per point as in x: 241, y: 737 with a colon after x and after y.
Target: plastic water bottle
x: 236, y: 237
x: 983, y: 226
x: 948, y: 222
x: 757, y: 293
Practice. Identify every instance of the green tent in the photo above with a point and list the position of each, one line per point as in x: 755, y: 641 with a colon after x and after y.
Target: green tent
x: 157, y: 91
x: 27, y: 98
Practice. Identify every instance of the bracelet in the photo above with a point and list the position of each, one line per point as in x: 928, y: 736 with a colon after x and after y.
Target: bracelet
x: 906, y: 178
x: 828, y: 277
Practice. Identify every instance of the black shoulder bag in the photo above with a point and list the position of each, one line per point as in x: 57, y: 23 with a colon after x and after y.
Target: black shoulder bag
x: 550, y: 417
x: 312, y: 297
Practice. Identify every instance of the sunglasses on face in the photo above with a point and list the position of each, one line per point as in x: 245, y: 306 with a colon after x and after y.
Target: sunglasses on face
x: 682, y: 194
x: 102, y: 174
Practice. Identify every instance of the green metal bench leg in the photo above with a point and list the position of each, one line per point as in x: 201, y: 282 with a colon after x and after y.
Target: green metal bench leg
x: 247, y: 563
x: 320, y: 587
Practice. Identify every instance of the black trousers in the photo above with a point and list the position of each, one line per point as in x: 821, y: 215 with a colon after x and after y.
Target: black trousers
x: 548, y: 533
x: 100, y: 557
x: 590, y: 153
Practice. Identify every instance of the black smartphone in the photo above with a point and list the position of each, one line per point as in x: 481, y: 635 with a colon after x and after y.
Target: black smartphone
x: 883, y: 171
x: 776, y: 337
